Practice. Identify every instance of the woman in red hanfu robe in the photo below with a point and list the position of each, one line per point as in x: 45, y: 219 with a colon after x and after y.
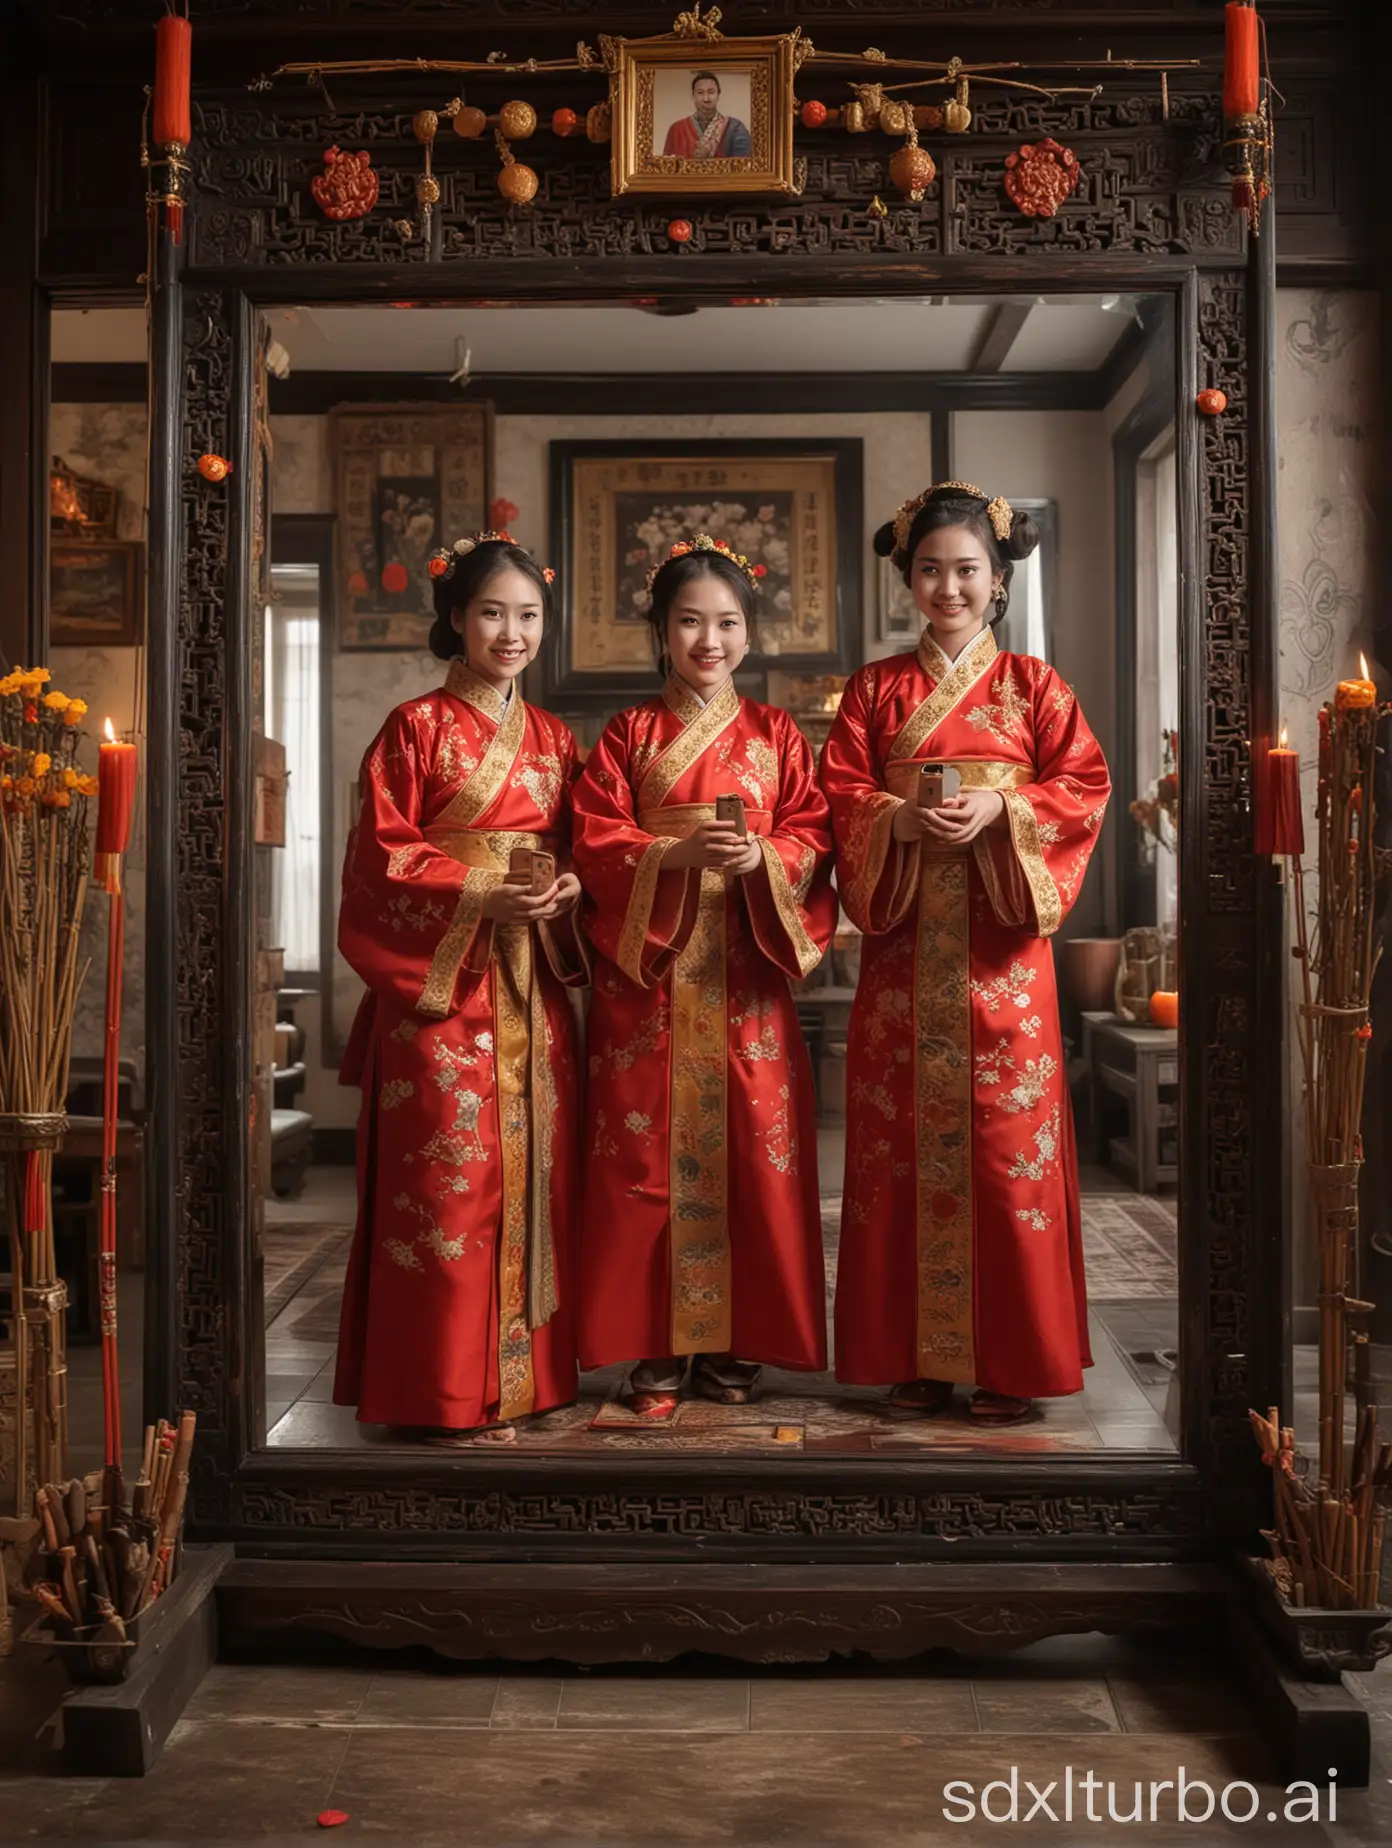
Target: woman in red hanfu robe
x: 459, y: 1310
x: 961, y: 1250
x: 701, y: 1230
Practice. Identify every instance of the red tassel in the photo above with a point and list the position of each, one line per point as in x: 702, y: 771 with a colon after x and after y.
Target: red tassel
x: 1242, y: 67
x: 173, y: 117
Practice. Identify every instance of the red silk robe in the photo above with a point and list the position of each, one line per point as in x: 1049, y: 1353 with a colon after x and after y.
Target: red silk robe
x: 701, y: 1226
x: 961, y: 1248
x: 459, y: 1307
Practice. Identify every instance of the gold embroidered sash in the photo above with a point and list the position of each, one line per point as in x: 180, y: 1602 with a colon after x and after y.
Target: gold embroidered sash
x: 527, y: 1296
x: 484, y: 784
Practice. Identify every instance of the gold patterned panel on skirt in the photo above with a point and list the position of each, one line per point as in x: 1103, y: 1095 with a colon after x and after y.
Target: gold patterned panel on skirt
x: 700, y: 1225
x: 942, y: 1108
x: 526, y: 1112
x: 698, y: 1178
x: 511, y: 1018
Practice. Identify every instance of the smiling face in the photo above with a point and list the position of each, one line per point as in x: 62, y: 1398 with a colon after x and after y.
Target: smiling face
x: 705, y: 93
x: 501, y: 626
x: 952, y: 580
x: 707, y: 633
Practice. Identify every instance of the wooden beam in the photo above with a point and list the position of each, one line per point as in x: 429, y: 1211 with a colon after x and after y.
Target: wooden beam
x: 1002, y: 330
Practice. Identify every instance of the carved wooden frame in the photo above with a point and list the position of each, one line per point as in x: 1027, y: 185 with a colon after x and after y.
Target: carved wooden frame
x: 1150, y: 213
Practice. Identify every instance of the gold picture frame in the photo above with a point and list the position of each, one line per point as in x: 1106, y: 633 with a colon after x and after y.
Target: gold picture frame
x: 650, y: 88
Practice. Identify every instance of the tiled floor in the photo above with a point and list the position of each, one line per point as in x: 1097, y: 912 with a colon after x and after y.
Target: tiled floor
x: 847, y: 1755
x: 1125, y: 1405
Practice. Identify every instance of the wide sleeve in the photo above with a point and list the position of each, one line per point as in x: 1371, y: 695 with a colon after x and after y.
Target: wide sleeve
x: 563, y: 939
x: 877, y: 875
x: 789, y: 896
x: 411, y: 919
x: 637, y: 913
x: 1033, y: 869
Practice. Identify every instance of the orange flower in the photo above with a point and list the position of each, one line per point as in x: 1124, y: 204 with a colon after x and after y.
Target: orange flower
x: 56, y: 702
x: 24, y: 788
x: 87, y: 786
x: 75, y: 712
x: 70, y: 778
x: 42, y: 763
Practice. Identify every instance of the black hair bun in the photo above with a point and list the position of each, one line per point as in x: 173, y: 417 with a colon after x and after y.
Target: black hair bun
x: 883, y: 541
x: 1022, y: 538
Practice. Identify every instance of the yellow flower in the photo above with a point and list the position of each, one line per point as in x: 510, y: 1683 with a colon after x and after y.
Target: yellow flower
x: 77, y: 709
x: 56, y: 702
x: 71, y: 779
x: 9, y: 685
x: 33, y: 678
x: 42, y: 763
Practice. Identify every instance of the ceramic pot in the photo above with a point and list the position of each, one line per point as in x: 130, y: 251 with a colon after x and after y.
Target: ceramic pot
x: 1088, y: 971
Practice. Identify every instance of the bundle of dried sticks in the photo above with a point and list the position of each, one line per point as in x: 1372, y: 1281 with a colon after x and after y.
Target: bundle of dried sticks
x: 1327, y: 1542
x: 1327, y: 1548
x: 106, y: 1560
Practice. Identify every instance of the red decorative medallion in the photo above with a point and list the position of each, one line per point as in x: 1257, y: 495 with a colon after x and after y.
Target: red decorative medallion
x: 347, y: 188
x: 1212, y: 402
x: 1040, y: 177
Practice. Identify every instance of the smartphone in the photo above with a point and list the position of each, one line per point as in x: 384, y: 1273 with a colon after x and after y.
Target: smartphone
x: 930, y: 786
x: 731, y: 808
x: 530, y: 868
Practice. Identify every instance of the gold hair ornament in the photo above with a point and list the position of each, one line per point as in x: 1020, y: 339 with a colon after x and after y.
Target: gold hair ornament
x: 442, y: 562
x: 998, y: 511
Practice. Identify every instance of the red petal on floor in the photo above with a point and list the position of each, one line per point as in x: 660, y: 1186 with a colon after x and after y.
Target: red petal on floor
x: 330, y: 1819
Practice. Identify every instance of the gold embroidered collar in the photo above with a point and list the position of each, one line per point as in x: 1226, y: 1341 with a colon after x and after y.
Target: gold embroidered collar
x: 688, y: 705
x: 465, y: 684
x: 979, y: 652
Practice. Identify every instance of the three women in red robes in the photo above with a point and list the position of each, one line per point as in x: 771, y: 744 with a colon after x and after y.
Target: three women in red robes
x: 696, y: 1208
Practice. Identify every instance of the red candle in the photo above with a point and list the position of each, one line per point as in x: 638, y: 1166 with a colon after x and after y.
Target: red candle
x: 1242, y: 64
x: 173, y: 119
x: 116, y: 765
x: 1280, y: 824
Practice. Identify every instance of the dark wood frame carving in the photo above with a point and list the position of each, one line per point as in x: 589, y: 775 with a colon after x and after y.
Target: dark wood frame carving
x: 1151, y: 214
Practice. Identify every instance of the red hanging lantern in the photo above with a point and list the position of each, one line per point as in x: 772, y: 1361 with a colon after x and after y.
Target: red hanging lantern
x: 172, y: 113
x: 1246, y: 118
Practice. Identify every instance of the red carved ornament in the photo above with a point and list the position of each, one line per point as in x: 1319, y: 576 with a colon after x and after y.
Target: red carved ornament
x: 347, y: 188
x: 1040, y: 177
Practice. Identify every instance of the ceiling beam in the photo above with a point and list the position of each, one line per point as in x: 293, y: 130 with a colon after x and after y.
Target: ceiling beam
x: 1002, y: 330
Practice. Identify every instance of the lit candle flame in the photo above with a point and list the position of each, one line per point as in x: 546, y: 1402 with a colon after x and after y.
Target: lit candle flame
x: 1363, y: 673
x: 110, y: 732
x: 1283, y: 738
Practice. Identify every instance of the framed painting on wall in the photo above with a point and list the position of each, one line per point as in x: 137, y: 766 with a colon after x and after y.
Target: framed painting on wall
x: 708, y: 117
x: 617, y: 508
x: 96, y: 591
x: 407, y: 478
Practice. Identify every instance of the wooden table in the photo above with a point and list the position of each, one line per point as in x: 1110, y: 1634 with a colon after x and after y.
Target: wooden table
x: 1141, y: 1065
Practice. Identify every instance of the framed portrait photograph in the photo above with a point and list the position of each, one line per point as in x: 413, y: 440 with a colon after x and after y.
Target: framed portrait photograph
x: 617, y: 508
x: 698, y: 118
x: 96, y: 593
x: 407, y: 478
